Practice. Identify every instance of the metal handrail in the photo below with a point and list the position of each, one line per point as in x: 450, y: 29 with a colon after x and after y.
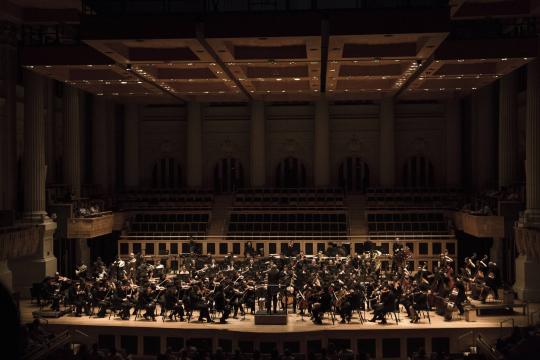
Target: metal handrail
x: 491, y: 352
x: 40, y: 353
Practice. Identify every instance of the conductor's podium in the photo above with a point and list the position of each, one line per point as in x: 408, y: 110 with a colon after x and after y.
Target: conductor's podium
x: 263, y: 318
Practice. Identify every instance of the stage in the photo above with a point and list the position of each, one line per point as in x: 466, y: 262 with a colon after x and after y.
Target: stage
x: 459, y: 332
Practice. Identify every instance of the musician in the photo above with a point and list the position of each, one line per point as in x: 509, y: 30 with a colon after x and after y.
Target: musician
x: 461, y: 297
x: 148, y: 302
x: 248, y: 249
x: 274, y: 277
x: 221, y: 304
x: 387, y: 304
x: 323, y: 304
x: 289, y: 250
x: 492, y: 282
x: 344, y: 305
x: 81, y: 271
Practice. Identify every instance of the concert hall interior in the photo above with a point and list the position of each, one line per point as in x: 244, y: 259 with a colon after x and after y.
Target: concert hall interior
x: 269, y: 179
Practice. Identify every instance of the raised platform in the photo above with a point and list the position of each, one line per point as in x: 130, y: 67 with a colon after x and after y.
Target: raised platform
x: 243, y: 332
x: 263, y: 318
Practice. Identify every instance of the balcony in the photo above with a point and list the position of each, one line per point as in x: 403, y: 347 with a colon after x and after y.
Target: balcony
x: 482, y: 226
x: 90, y: 227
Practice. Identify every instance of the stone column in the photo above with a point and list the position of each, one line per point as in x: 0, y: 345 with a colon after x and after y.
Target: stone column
x: 508, y: 143
x: 72, y: 145
x: 321, y: 151
x: 527, y: 283
x: 387, y: 143
x: 49, y: 130
x: 131, y: 146
x: 532, y: 146
x: 453, y: 143
x: 99, y: 143
x: 484, y: 135
x: 8, y: 119
x: 29, y: 269
x: 35, y: 170
x: 194, y: 145
x: 258, y: 144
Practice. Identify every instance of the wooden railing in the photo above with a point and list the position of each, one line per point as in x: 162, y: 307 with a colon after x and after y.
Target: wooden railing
x: 90, y: 227
x: 480, y: 225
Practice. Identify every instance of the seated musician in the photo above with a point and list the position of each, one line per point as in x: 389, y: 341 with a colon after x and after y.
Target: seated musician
x: 386, y: 305
x: 149, y: 304
x: 323, y: 304
x: 221, y: 304
x: 173, y: 303
x: 345, y: 306
x: 202, y: 304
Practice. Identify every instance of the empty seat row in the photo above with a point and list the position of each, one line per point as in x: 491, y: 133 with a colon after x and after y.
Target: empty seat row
x: 408, y: 227
x: 193, y: 217
x: 167, y: 227
x: 406, y: 217
x: 287, y: 218
x: 293, y: 227
x: 290, y: 191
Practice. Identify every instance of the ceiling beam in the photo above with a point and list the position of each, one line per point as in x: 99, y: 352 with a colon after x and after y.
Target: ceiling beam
x: 419, y: 71
x: 154, y: 84
x: 219, y: 61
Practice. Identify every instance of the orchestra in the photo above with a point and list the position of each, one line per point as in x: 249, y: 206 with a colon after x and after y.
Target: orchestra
x: 311, y: 285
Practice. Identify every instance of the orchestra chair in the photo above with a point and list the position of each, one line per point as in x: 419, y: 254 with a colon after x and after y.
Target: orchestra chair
x: 395, y: 312
x: 424, y: 312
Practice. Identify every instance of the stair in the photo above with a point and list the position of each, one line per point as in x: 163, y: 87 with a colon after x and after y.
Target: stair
x: 356, y: 205
x: 220, y: 214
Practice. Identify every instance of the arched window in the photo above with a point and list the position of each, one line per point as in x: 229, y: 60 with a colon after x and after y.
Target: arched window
x: 290, y: 173
x: 418, y: 172
x: 167, y: 173
x: 354, y: 175
x: 228, y: 175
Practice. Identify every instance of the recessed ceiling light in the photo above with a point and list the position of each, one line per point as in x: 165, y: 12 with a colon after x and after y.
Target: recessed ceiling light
x: 504, y: 59
x: 279, y: 79
x: 296, y: 79
x: 123, y: 82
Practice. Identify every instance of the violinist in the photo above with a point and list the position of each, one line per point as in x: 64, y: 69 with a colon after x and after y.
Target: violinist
x: 173, y: 303
x: 147, y: 300
x: 344, y: 305
x: 322, y: 304
x: 386, y: 305
x: 221, y: 304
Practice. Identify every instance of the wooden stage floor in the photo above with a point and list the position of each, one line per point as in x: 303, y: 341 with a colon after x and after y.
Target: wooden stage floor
x: 295, y: 323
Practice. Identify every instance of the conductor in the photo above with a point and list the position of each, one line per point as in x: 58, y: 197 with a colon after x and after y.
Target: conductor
x: 274, y: 276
